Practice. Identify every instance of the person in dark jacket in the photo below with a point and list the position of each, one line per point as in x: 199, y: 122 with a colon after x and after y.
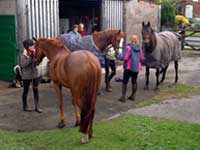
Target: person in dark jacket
x: 133, y: 57
x: 29, y: 75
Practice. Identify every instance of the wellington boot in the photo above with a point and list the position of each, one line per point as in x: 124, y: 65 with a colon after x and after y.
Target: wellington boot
x: 134, y: 89
x: 122, y: 98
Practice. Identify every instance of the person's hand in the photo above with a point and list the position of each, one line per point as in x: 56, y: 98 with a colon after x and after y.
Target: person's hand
x: 32, y: 55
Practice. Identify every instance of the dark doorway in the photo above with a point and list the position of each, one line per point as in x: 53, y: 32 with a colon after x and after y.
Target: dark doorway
x: 79, y: 11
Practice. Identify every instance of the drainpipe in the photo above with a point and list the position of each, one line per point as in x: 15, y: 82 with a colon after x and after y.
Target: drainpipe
x: 21, y: 17
x: 124, y: 20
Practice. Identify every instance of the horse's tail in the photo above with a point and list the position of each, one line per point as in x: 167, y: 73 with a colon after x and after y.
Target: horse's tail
x: 89, y: 98
x: 17, y: 70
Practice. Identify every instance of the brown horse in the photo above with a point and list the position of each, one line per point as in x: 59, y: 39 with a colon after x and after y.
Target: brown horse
x: 80, y: 71
x: 103, y: 38
x: 96, y: 43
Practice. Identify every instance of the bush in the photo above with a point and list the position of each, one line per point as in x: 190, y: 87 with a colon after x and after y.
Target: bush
x: 168, y: 12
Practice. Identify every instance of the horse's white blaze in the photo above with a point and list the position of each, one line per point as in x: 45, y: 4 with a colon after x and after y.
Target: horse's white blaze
x: 121, y: 45
x: 121, y: 42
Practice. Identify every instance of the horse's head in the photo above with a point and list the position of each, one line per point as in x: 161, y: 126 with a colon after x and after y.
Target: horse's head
x: 147, y: 33
x: 39, y: 50
x: 148, y: 36
x: 117, y: 38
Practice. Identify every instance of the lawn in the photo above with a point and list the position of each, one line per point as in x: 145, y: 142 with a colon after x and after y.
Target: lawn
x: 166, y: 92
x: 124, y: 133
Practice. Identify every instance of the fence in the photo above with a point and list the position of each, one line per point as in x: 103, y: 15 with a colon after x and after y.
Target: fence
x: 192, y: 39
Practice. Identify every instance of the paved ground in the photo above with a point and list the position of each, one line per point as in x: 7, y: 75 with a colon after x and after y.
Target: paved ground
x: 185, y: 109
x: 13, y: 118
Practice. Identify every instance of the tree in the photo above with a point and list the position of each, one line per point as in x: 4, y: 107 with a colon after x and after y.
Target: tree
x: 168, y: 12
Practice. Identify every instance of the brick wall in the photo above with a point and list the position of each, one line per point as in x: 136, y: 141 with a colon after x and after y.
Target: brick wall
x: 196, y: 6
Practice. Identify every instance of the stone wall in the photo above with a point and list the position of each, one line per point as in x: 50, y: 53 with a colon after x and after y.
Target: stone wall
x: 7, y: 7
x: 136, y: 13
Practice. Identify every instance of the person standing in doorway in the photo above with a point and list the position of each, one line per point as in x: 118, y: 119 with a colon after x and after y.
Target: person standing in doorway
x: 29, y: 75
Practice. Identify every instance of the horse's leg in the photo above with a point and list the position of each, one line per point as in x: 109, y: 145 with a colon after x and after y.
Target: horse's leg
x: 164, y: 73
x: 157, y: 79
x: 89, y: 133
x: 176, y: 70
x: 77, y: 112
x: 85, y: 139
x: 91, y: 123
x: 58, y: 89
x: 147, y: 78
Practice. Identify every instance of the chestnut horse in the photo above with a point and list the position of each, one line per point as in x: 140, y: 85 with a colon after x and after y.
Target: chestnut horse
x: 103, y: 38
x: 96, y: 43
x: 80, y: 71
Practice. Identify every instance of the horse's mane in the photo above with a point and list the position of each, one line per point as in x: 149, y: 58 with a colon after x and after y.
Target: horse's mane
x: 53, y: 43
x: 106, y: 32
x: 153, y: 41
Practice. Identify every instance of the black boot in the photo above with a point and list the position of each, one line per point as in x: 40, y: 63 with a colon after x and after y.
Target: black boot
x: 37, y: 109
x: 36, y: 100
x: 108, y: 87
x: 134, y: 89
x: 122, y: 98
x: 24, y: 103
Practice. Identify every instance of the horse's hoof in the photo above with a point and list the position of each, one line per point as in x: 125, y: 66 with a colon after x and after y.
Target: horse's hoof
x: 146, y: 88
x: 77, y: 123
x: 122, y: 99
x: 85, y: 140
x: 172, y: 85
x: 132, y: 98
x: 91, y: 136
x: 61, y: 125
x: 99, y: 93
x: 156, y: 89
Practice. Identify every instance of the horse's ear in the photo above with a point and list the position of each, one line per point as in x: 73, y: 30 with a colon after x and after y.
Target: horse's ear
x: 119, y: 31
x: 143, y: 23
x: 148, y: 24
x: 34, y: 39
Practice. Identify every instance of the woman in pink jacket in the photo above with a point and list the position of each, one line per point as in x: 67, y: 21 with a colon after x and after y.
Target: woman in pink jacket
x: 133, y: 57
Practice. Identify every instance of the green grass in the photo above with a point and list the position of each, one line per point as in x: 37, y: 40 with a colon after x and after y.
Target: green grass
x: 166, y: 92
x: 124, y: 133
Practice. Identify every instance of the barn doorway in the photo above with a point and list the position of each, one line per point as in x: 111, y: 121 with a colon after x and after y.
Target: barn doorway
x: 79, y: 11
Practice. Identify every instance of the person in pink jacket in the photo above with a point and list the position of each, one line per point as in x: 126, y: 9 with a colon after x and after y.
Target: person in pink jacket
x: 133, y: 57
